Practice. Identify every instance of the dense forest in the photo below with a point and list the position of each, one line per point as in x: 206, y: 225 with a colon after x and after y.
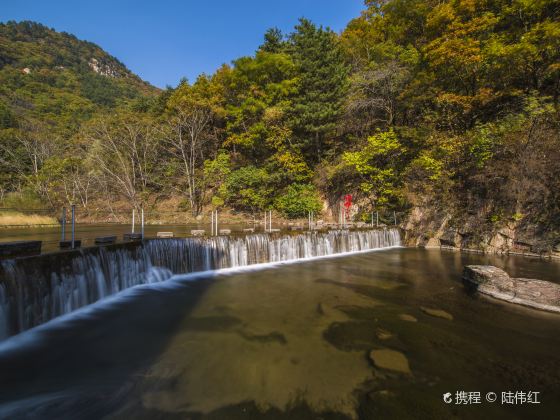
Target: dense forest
x: 446, y: 111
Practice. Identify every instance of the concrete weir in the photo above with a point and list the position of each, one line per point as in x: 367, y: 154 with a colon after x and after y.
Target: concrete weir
x: 19, y: 248
x: 35, y: 289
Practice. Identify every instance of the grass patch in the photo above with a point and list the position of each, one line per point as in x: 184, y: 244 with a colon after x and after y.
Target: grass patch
x: 14, y: 218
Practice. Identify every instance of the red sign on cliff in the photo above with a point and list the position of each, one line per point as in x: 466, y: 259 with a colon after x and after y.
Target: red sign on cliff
x: 348, y: 201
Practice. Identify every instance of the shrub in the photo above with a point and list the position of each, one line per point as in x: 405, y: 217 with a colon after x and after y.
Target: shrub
x: 298, y: 200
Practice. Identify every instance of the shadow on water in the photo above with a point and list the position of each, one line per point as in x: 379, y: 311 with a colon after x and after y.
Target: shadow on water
x: 86, y: 366
x: 84, y: 361
x: 245, y: 411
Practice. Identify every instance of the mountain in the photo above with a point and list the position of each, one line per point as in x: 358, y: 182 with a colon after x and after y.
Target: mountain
x: 56, y: 78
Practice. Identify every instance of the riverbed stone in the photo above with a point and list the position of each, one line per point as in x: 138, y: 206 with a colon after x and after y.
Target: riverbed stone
x: 495, y: 282
x: 390, y: 360
x: 383, y: 334
x: 384, y: 393
x: 438, y: 313
x: 407, y: 317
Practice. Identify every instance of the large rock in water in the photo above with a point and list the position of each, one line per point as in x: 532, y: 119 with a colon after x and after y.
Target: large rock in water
x: 497, y: 283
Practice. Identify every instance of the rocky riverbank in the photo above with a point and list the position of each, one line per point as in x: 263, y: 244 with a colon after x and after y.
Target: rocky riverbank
x: 433, y: 229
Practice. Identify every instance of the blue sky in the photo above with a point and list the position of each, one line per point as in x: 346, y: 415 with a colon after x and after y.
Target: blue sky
x: 165, y: 40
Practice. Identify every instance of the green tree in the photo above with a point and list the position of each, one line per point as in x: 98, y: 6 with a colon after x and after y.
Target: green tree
x: 273, y: 41
x: 322, y: 84
x: 256, y: 87
x: 248, y: 188
x: 216, y: 172
x: 378, y: 165
x: 298, y: 200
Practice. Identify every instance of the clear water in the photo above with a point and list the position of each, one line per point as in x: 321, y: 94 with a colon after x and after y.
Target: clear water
x: 292, y: 342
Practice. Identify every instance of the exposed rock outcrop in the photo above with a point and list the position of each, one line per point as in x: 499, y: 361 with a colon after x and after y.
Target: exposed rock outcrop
x: 430, y: 228
x: 495, y: 282
x: 102, y: 68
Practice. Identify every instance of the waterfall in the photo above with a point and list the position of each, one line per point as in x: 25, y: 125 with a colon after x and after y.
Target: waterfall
x: 4, y: 309
x: 196, y: 254
x: 36, y: 289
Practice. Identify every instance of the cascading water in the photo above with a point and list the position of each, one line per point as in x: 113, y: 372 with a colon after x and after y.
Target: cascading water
x: 4, y: 307
x: 189, y: 255
x: 36, y: 289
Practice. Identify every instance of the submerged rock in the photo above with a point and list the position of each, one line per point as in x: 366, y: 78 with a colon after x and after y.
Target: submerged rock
x: 384, y: 393
x: 407, y: 317
x: 390, y: 360
x: 492, y: 281
x: 350, y: 335
x: 383, y: 334
x: 438, y: 313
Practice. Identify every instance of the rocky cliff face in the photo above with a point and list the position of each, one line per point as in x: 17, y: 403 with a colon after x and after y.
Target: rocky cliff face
x: 102, y: 68
x: 435, y: 228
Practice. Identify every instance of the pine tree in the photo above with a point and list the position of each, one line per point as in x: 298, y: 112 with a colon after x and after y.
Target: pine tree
x: 273, y: 41
x: 322, y: 86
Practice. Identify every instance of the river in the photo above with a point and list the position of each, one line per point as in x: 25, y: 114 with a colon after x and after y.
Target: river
x: 292, y: 341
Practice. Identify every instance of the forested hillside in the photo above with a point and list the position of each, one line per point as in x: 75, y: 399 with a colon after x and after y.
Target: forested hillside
x: 446, y: 111
x: 51, y: 83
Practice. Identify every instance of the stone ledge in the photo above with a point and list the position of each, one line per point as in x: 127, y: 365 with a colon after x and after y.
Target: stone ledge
x: 495, y: 282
